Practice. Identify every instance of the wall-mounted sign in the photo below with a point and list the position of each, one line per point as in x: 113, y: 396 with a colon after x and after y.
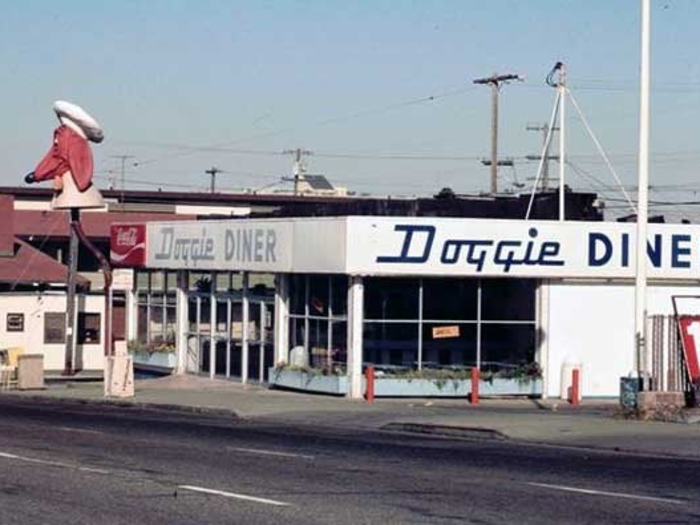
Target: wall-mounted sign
x: 127, y: 246
x: 511, y: 248
x: 123, y: 279
x: 445, y: 332
x: 221, y: 245
x: 15, y: 322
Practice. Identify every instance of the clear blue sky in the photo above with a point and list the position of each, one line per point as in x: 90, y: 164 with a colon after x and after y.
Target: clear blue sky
x: 162, y: 76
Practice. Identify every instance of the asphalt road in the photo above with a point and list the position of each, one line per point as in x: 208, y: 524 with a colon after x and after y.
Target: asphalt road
x: 128, y: 466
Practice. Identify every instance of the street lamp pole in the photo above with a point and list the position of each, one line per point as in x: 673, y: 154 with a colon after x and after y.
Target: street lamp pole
x: 640, y: 290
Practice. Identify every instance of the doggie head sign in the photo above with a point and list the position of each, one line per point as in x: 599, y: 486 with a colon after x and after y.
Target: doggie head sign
x: 69, y: 162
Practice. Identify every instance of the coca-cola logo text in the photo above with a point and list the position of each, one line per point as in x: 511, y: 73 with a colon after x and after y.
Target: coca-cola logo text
x: 127, y: 237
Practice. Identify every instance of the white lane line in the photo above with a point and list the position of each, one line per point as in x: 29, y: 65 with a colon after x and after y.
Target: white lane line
x: 270, y: 452
x: 80, y: 430
x: 7, y: 455
x: 233, y: 495
x: 605, y: 493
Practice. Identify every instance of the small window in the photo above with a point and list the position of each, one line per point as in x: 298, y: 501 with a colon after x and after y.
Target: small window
x: 88, y: 328
x: 54, y: 328
x: 15, y: 322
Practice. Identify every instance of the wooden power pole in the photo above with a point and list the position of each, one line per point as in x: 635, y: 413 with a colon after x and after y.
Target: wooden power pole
x: 495, y: 82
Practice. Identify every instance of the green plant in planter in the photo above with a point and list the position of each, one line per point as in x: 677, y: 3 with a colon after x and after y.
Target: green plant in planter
x: 523, y: 373
x: 440, y: 377
x: 162, y: 347
x: 334, y: 370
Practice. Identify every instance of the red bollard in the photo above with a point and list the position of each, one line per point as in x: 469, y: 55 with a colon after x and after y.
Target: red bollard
x: 575, y: 397
x: 474, y: 399
x: 369, y: 380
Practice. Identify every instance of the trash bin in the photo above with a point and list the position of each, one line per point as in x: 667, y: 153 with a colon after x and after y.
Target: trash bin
x: 30, y: 372
x: 629, y: 391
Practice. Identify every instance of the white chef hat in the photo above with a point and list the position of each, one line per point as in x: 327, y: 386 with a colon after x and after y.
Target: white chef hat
x: 77, y: 116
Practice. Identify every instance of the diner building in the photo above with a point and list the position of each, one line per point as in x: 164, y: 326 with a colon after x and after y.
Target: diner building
x: 309, y: 302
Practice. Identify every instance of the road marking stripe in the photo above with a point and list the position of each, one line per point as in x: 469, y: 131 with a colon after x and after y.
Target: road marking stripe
x: 270, y: 452
x: 80, y: 430
x: 233, y: 495
x: 604, y: 493
x: 7, y: 455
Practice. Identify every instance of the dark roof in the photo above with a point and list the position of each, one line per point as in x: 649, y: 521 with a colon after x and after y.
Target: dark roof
x: 318, y: 182
x: 177, y: 197
x: 28, y: 265
x: 54, y: 224
x: 579, y: 206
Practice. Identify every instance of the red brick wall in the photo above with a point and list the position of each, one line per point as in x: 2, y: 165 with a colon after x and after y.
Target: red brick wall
x: 7, y: 231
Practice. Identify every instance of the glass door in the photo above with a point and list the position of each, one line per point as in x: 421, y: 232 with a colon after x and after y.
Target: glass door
x: 260, y: 339
x: 198, y: 358
x: 229, y: 335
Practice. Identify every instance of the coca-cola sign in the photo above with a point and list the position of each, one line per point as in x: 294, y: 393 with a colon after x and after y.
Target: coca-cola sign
x: 128, y: 244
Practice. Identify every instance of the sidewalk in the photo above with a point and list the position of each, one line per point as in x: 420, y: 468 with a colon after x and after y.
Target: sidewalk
x: 590, y: 425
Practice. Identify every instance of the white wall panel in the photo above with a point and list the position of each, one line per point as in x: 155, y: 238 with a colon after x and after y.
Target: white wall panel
x: 594, y: 324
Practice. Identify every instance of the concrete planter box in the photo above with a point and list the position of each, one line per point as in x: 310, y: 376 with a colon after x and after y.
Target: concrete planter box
x: 510, y: 387
x: 398, y: 387
x: 157, y: 361
x: 297, y: 380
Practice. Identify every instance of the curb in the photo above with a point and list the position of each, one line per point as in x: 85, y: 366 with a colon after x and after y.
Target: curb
x: 118, y: 404
x: 447, y: 431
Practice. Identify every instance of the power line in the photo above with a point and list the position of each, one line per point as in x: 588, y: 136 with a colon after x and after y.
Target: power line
x: 322, y: 122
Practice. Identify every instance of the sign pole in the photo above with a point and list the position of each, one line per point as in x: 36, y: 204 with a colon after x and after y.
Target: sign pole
x: 69, y: 363
x: 640, y: 290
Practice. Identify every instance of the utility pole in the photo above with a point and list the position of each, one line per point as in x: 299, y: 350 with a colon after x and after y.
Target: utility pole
x: 642, y: 358
x: 213, y: 171
x: 544, y: 128
x: 299, y: 167
x: 562, y: 140
x: 495, y: 82
x: 123, y: 159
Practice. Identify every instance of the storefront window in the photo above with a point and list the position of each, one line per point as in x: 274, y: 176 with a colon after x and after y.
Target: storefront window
x: 449, y: 322
x: 450, y: 299
x: 391, y: 299
x: 391, y: 344
x: 317, y: 320
x: 156, y: 314
x: 508, y: 299
x: 261, y: 285
x: 449, y: 345
x: 507, y: 345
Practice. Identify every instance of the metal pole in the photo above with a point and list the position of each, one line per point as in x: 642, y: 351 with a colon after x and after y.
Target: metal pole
x: 640, y: 289
x: 562, y: 142
x: 69, y: 362
x: 494, y: 137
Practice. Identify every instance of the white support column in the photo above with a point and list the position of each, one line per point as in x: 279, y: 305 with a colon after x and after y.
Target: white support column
x: 542, y: 333
x: 182, y: 317
x: 212, y: 327
x: 642, y: 356
x: 246, y: 322
x: 131, y: 315
x: 562, y: 143
x: 281, y: 319
x: 355, y: 343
